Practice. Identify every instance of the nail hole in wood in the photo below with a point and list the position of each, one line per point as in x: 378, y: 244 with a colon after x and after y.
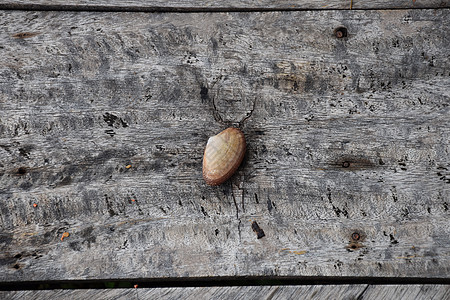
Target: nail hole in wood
x: 340, y: 32
x: 259, y: 232
x: 21, y: 170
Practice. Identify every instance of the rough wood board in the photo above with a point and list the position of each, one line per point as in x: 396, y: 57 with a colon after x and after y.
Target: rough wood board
x: 244, y: 292
x: 360, y: 292
x: 222, y: 4
x: 375, y: 292
x: 344, y: 135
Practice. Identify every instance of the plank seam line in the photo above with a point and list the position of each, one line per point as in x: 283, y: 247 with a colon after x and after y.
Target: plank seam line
x: 98, y: 8
x: 215, y: 281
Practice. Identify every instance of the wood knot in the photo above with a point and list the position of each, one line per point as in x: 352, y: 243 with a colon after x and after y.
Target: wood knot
x: 353, y: 163
x: 24, y: 35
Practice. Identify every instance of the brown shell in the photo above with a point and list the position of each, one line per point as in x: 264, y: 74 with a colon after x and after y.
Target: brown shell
x: 224, y: 153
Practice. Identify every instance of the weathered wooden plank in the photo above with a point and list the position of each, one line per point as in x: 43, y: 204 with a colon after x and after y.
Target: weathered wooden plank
x: 366, y: 292
x: 220, y: 5
x: 375, y: 292
x: 103, y: 124
x: 234, y: 292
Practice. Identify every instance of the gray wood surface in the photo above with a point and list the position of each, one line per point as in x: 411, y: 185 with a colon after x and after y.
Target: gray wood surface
x: 221, y: 4
x: 332, y: 292
x: 344, y: 136
x: 431, y: 292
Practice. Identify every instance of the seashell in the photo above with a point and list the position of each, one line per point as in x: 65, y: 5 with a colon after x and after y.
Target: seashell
x: 224, y: 153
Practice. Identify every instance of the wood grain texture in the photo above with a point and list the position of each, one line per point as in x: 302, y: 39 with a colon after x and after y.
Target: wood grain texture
x: 425, y: 292
x: 332, y: 292
x: 104, y: 118
x: 222, y: 5
x: 244, y: 293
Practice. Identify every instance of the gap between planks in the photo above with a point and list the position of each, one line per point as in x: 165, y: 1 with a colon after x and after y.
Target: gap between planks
x: 217, y: 282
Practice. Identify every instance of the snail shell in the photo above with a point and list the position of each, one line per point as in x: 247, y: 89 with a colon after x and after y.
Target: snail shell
x: 224, y: 153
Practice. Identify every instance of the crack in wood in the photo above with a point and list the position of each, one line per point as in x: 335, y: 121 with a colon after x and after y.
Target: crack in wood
x: 360, y: 296
x: 248, y: 116
x: 272, y: 294
x: 205, y: 95
x: 237, y: 210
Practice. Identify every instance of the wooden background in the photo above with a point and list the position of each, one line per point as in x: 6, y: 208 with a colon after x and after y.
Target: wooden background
x: 219, y: 5
x: 104, y: 117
